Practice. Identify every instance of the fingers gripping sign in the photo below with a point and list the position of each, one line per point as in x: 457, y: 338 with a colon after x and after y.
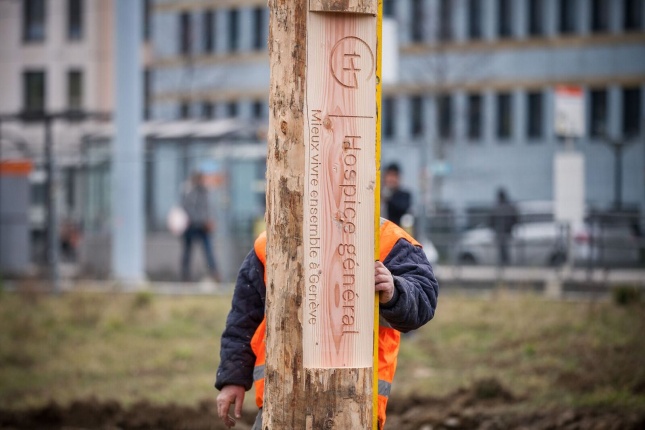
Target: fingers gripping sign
x: 230, y: 395
x: 383, y: 282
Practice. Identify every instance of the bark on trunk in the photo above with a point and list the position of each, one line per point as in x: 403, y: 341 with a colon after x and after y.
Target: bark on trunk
x: 296, y: 397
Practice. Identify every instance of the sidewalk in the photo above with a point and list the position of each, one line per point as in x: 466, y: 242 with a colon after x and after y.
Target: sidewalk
x: 611, y: 277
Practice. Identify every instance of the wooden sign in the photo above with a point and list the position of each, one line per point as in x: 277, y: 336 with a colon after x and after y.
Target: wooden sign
x: 347, y: 6
x: 340, y: 177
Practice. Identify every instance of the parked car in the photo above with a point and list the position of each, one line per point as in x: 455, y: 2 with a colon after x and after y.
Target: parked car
x: 545, y: 243
x: 431, y: 252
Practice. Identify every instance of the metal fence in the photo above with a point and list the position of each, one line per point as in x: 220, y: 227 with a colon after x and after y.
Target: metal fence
x: 606, y: 239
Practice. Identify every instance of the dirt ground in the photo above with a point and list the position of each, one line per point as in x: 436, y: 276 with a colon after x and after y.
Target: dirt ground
x: 485, y: 406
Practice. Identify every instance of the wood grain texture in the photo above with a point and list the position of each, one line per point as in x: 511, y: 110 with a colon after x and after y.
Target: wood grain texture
x: 296, y: 397
x: 348, y: 6
x: 340, y: 180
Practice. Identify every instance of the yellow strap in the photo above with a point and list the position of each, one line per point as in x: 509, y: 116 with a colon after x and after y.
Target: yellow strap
x: 377, y: 203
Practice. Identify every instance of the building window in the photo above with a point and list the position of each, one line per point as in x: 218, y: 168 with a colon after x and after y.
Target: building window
x: 536, y: 17
x: 535, y: 115
x: 475, y: 114
x: 504, y: 116
x: 208, y: 110
x: 258, y: 25
x: 34, y: 91
x: 388, y: 8
x: 74, y: 19
x: 633, y: 19
x: 599, y: 16
x: 475, y: 19
x: 505, y: 18
x: 75, y: 90
x: 233, y: 30
x: 567, y: 16
x: 33, y: 20
x: 147, y: 19
x: 186, y: 33
x: 445, y: 20
x: 416, y: 116
x: 147, y: 94
x: 232, y: 109
x: 598, y: 113
x: 418, y: 21
x: 258, y: 109
x: 631, y: 112
x: 388, y: 117
x: 444, y: 116
x: 184, y: 110
x: 208, y: 28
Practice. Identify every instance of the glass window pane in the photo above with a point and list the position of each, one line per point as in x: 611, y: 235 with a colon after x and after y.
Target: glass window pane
x: 567, y: 16
x: 599, y: 16
x: 536, y: 17
x: 208, y: 27
x: 388, y: 8
x: 258, y: 27
x: 631, y: 111
x: 475, y: 114
x: 33, y: 20
x: 505, y: 18
x: 504, y: 116
x: 34, y: 91
x: 475, y: 19
x: 416, y: 116
x: 75, y: 90
x: 75, y: 19
x: 258, y: 110
x: 388, y: 117
x: 233, y: 30
x: 444, y: 116
x: 633, y: 19
x: 232, y: 109
x: 598, y: 113
x: 418, y: 21
x: 535, y: 115
x: 186, y: 36
x: 445, y: 20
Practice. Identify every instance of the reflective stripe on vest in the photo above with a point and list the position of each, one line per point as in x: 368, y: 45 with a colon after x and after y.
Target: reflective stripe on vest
x: 389, y: 338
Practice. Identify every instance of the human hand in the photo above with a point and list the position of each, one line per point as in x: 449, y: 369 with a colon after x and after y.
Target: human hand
x: 230, y: 395
x: 383, y: 282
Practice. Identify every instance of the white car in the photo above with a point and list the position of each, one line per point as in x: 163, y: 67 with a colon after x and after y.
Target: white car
x: 545, y: 243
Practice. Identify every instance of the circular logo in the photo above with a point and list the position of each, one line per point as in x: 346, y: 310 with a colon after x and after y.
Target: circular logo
x: 352, y: 62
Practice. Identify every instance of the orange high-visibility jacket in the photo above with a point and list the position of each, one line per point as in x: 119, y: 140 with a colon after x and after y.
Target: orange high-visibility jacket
x: 389, y: 337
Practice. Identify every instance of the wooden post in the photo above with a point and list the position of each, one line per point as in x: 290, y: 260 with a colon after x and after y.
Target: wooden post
x: 321, y: 186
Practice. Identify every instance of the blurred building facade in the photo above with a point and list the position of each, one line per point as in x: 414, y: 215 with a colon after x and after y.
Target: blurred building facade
x: 474, y: 98
x: 471, y: 108
x: 56, y: 57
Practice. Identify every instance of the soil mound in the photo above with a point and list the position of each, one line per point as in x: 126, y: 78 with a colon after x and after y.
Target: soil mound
x: 487, y: 405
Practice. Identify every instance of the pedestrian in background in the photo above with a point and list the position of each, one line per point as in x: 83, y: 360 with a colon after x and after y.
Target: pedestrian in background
x: 200, y: 225
x: 395, y: 200
x: 502, y: 220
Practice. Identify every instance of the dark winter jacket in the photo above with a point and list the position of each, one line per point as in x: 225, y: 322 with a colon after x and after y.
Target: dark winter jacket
x: 413, y: 304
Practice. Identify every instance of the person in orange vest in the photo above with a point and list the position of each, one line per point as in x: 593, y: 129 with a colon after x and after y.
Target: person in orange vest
x: 408, y: 292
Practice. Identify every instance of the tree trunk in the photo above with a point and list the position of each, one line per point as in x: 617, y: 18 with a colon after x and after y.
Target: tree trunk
x: 321, y: 180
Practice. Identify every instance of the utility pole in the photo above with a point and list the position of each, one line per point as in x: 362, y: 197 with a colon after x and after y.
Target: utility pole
x: 53, y: 257
x: 321, y: 219
x: 128, y: 229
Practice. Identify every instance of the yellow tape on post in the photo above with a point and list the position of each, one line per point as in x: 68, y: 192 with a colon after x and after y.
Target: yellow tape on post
x: 377, y: 200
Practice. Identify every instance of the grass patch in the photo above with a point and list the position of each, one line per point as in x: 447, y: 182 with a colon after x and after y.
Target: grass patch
x: 166, y: 349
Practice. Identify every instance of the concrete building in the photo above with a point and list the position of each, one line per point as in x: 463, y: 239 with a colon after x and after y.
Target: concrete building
x: 55, y: 57
x: 474, y: 101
